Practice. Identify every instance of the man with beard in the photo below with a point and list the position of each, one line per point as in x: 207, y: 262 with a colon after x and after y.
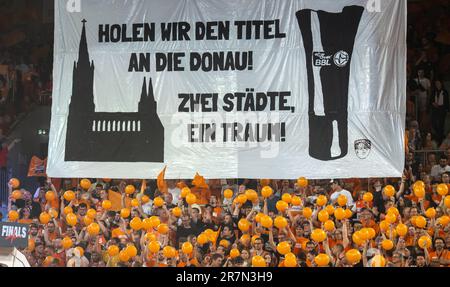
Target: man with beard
x: 440, y: 253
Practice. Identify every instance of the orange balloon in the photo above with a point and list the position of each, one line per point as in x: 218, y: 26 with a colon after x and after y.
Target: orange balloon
x: 323, y: 215
x: 384, y: 225
x: 163, y: 228
x: 113, y: 250
x: 442, y: 189
x: 401, y: 229
x: 244, y: 225
x: 266, y: 221
x: 296, y: 201
x: 53, y: 213
x: 245, y: 238
x: 421, y: 222
x: 93, y: 229
x: 158, y: 201
x: 125, y: 212
x: 69, y: 195
x: 14, y: 182
x: 258, y: 261
x: 234, y: 253
x: 430, y: 212
x: 17, y: 194
x: 339, y: 213
x: 176, y: 211
x: 150, y: 237
x: 67, y: 242
x: 353, y: 256
x: 357, y: 238
x: 154, y: 246
x: 290, y: 260
x: 283, y: 248
x: 44, y: 218
x: 329, y: 225
x: 368, y: 197
x: 307, y: 212
x: 50, y: 196
x: 71, y: 219
x: 348, y: 213
x: 419, y: 183
x: 131, y: 250
x: 225, y: 243
x: 13, y: 216
x: 187, y: 248
x: 282, y: 206
x: 342, y: 200
x: 242, y: 198
x: 134, y: 202
x: 31, y: 245
x: 106, y: 204
x: 444, y: 220
x: 372, y: 233
x: 393, y: 210
x: 87, y: 220
x: 228, y: 193
x: 91, y: 213
x: 330, y: 209
x: 80, y: 250
x: 378, y: 261
x: 185, y: 191
x: 85, y: 184
x: 318, y: 235
x: 258, y: 217
x: 364, y: 234
x: 286, y: 197
x: 387, y: 244
x: 321, y: 200
x: 136, y: 223
x: 155, y: 221
x: 322, y: 260
x: 202, y: 239
x: 254, y: 237
x: 251, y: 194
x: 447, y: 201
x: 266, y: 191
x: 389, y: 190
x: 424, y: 242
x: 145, y: 199
x: 419, y: 191
x: 280, y: 222
x: 391, y: 218
x: 123, y: 255
x: 68, y: 210
x: 302, y: 182
x: 169, y: 252
x: 130, y: 189
x: 191, y: 199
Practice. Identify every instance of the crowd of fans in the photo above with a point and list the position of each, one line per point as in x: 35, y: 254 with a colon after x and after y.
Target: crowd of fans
x: 242, y: 223
x: 116, y: 223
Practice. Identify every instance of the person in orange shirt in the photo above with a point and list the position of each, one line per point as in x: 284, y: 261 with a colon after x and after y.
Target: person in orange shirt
x: 441, y: 253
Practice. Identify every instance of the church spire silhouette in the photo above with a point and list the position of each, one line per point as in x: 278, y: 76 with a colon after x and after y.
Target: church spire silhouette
x: 83, y: 52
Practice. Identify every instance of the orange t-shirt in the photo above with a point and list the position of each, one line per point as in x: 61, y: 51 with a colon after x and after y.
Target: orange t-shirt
x: 300, y: 244
x: 445, y: 254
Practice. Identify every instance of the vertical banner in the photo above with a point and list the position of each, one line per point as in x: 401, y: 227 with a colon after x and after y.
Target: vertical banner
x: 229, y: 89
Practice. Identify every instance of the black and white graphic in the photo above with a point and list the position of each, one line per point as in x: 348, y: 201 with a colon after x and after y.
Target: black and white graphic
x: 210, y: 87
x: 362, y: 148
x: 110, y: 137
x: 328, y: 39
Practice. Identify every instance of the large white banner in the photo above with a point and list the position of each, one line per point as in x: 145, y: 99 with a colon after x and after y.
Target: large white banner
x: 229, y: 89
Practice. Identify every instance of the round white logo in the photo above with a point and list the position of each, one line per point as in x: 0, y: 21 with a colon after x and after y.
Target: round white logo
x: 341, y: 58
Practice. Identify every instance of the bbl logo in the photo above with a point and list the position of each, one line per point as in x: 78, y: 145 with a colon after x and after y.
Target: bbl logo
x: 362, y: 148
x: 341, y: 58
x: 321, y: 60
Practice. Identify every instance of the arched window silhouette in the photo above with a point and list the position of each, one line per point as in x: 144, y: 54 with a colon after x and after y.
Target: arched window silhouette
x: 99, y: 126
x: 139, y: 126
x: 114, y: 126
x: 93, y: 126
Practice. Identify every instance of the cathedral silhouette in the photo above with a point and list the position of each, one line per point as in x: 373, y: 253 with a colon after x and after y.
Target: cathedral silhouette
x: 110, y: 137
